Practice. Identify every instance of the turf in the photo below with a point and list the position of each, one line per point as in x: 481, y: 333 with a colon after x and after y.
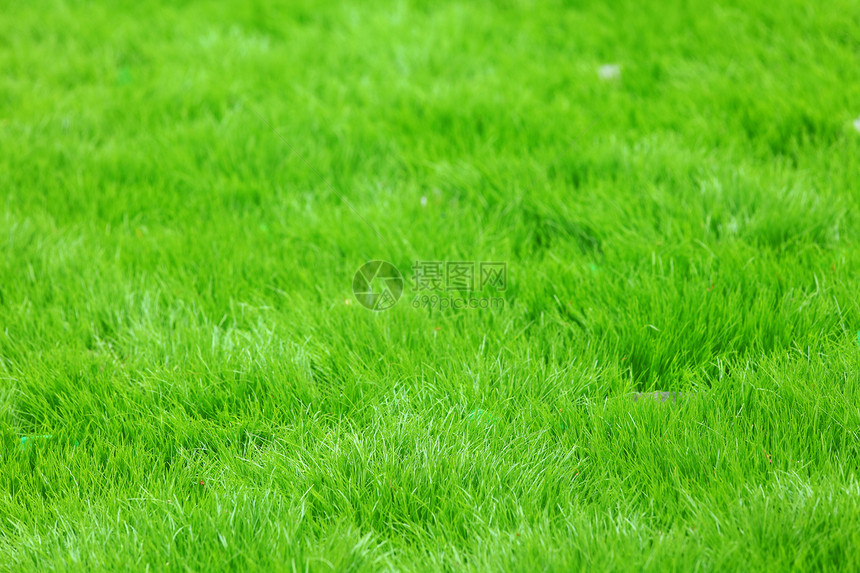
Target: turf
x: 187, y: 382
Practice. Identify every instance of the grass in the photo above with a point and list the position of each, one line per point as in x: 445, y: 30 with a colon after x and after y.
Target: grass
x: 199, y: 390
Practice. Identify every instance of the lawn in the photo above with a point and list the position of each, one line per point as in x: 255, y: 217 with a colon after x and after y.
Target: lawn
x: 576, y: 201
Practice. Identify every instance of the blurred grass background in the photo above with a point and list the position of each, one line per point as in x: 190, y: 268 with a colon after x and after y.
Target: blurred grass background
x: 174, y: 283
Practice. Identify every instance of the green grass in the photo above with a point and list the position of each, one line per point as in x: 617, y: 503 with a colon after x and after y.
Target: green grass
x: 174, y: 283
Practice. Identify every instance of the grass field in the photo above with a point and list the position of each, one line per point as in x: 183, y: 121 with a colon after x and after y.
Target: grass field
x: 188, y: 383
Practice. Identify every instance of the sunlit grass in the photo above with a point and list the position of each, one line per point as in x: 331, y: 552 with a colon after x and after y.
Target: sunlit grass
x: 188, y: 383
